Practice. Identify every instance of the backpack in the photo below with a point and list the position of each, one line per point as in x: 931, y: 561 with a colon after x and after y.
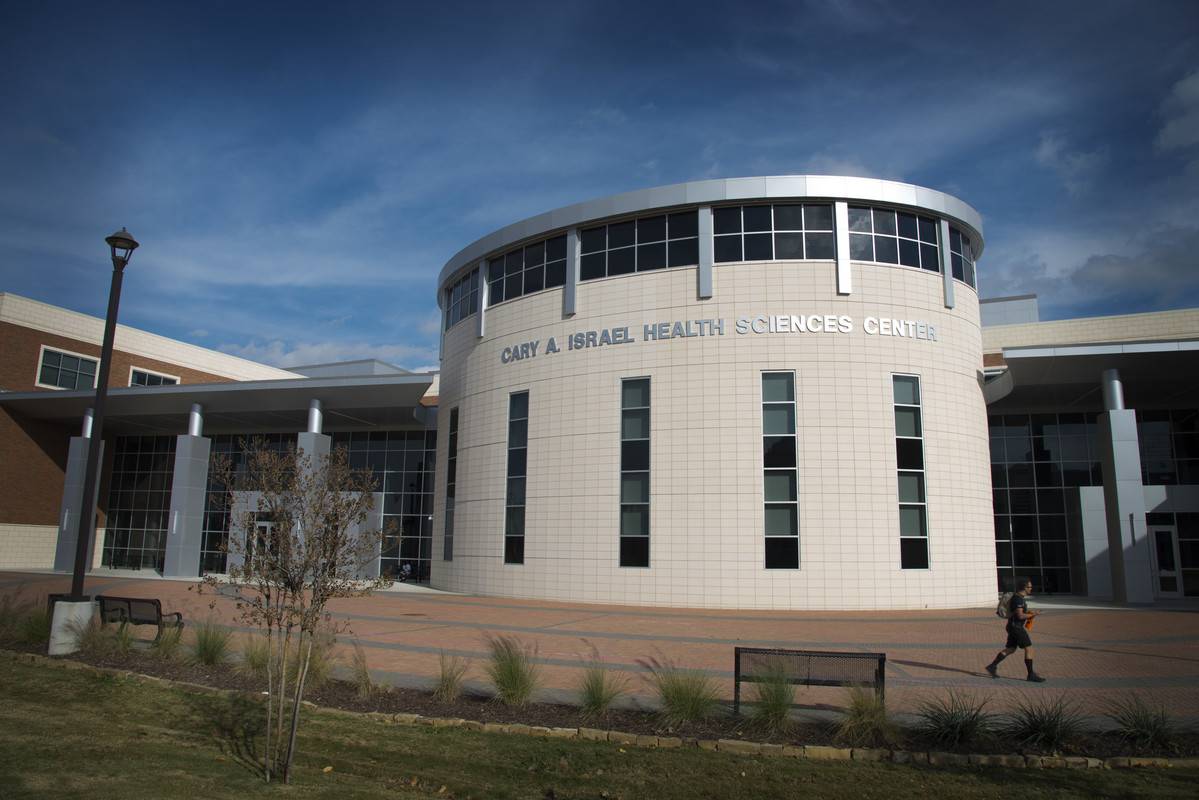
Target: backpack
x: 1005, y: 605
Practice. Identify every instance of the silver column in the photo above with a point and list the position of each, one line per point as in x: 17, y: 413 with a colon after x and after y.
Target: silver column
x: 315, y: 416
x: 704, y: 269
x: 195, y: 420
x: 1113, y: 390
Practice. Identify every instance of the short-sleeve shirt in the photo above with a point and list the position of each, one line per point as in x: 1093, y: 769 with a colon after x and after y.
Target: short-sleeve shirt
x: 1013, y: 619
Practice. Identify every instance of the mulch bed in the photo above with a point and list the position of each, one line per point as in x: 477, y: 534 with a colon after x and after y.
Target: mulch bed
x: 344, y: 695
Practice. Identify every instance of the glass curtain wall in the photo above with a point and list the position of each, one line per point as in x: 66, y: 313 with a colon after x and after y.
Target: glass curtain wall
x: 139, y: 502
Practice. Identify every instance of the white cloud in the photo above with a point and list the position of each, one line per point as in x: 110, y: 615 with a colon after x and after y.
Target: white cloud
x: 283, y: 354
x: 1077, y: 169
x: 1181, y: 112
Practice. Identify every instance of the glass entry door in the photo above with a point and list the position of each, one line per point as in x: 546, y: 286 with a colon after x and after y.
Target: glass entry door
x: 1167, y: 580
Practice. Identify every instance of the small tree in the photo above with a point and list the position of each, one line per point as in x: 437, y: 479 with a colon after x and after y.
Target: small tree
x: 297, y: 540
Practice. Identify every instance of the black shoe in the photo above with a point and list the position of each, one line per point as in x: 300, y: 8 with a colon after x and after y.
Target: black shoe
x: 1035, y: 678
x: 992, y: 670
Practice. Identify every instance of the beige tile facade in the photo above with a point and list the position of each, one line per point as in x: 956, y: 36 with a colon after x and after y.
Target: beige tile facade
x: 1149, y: 327
x: 706, y: 524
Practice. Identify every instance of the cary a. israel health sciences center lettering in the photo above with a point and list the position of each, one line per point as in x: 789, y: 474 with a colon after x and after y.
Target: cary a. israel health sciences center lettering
x: 708, y: 377
x: 686, y: 329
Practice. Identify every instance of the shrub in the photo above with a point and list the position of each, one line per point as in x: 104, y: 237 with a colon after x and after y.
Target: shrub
x: 166, y: 647
x: 773, y: 697
x: 599, y: 689
x: 866, y: 723
x: 1141, y: 725
x: 255, y: 656
x: 512, y: 671
x: 210, y: 646
x: 954, y: 721
x: 450, y: 677
x: 686, y: 695
x: 361, y: 672
x: 1044, y: 724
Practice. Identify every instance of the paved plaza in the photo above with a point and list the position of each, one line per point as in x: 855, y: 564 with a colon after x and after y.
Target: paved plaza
x: 1091, y: 652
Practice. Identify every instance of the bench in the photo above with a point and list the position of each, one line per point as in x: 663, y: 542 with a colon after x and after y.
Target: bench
x: 807, y: 668
x: 137, y: 611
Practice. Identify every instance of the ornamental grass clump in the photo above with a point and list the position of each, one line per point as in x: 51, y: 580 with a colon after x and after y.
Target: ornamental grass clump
x: 167, y: 646
x: 364, y: 685
x: 320, y: 662
x: 599, y: 688
x: 450, y: 677
x: 210, y: 645
x: 1046, y: 724
x: 92, y: 639
x: 1142, y: 726
x: 122, y: 639
x: 686, y: 695
x: 512, y: 671
x: 33, y: 626
x: 958, y: 720
x: 255, y: 657
x: 866, y: 723
x: 773, y: 697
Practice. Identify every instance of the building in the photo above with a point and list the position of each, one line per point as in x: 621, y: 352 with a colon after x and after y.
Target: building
x: 170, y: 407
x: 778, y: 392
x: 752, y: 393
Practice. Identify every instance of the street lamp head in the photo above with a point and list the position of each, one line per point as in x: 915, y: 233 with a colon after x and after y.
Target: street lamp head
x: 123, y: 244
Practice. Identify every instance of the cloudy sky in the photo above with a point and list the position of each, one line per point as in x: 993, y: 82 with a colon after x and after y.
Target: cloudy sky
x: 299, y: 172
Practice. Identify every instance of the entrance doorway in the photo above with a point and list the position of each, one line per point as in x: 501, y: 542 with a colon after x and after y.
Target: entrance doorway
x: 1167, y: 581
x: 260, y: 543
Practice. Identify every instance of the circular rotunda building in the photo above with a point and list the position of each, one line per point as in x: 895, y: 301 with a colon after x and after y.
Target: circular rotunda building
x: 746, y: 393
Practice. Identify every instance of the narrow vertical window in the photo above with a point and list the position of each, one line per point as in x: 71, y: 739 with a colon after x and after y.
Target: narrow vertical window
x: 451, y: 478
x: 634, y: 472
x: 518, y: 459
x: 779, y: 476
x: 909, y: 459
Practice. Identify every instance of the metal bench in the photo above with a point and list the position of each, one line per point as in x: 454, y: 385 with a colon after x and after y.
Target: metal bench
x: 808, y: 668
x: 137, y: 611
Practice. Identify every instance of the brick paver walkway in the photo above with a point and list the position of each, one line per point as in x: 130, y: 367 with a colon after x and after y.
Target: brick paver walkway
x: 1091, y: 653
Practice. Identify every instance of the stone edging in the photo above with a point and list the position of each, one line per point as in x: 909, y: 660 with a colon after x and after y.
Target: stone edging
x: 737, y: 746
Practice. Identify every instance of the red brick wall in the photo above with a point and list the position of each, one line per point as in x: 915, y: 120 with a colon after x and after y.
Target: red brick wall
x: 33, y: 454
x: 20, y: 348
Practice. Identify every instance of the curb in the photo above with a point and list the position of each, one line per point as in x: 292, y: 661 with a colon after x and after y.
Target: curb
x: 734, y: 746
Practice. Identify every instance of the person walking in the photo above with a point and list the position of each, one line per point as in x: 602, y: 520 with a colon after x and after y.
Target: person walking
x: 1019, y: 616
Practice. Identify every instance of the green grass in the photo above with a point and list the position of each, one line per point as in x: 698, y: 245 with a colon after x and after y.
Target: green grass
x: 74, y: 734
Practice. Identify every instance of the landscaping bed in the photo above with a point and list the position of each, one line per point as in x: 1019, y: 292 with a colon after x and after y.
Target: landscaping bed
x: 345, y: 695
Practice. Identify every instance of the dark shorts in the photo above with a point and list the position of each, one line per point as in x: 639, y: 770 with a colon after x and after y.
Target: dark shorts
x: 1017, y: 636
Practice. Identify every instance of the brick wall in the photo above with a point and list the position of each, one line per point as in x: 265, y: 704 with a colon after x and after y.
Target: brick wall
x: 22, y: 348
x: 33, y: 453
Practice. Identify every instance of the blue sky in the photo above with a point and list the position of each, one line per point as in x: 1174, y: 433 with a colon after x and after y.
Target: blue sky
x: 298, y: 173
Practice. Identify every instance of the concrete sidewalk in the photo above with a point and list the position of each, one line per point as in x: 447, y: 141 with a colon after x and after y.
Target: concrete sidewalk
x: 1092, y: 653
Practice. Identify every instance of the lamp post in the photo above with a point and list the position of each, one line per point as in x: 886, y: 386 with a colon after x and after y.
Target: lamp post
x: 122, y: 245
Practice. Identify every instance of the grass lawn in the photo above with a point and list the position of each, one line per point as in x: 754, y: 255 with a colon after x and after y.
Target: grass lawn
x: 70, y: 733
